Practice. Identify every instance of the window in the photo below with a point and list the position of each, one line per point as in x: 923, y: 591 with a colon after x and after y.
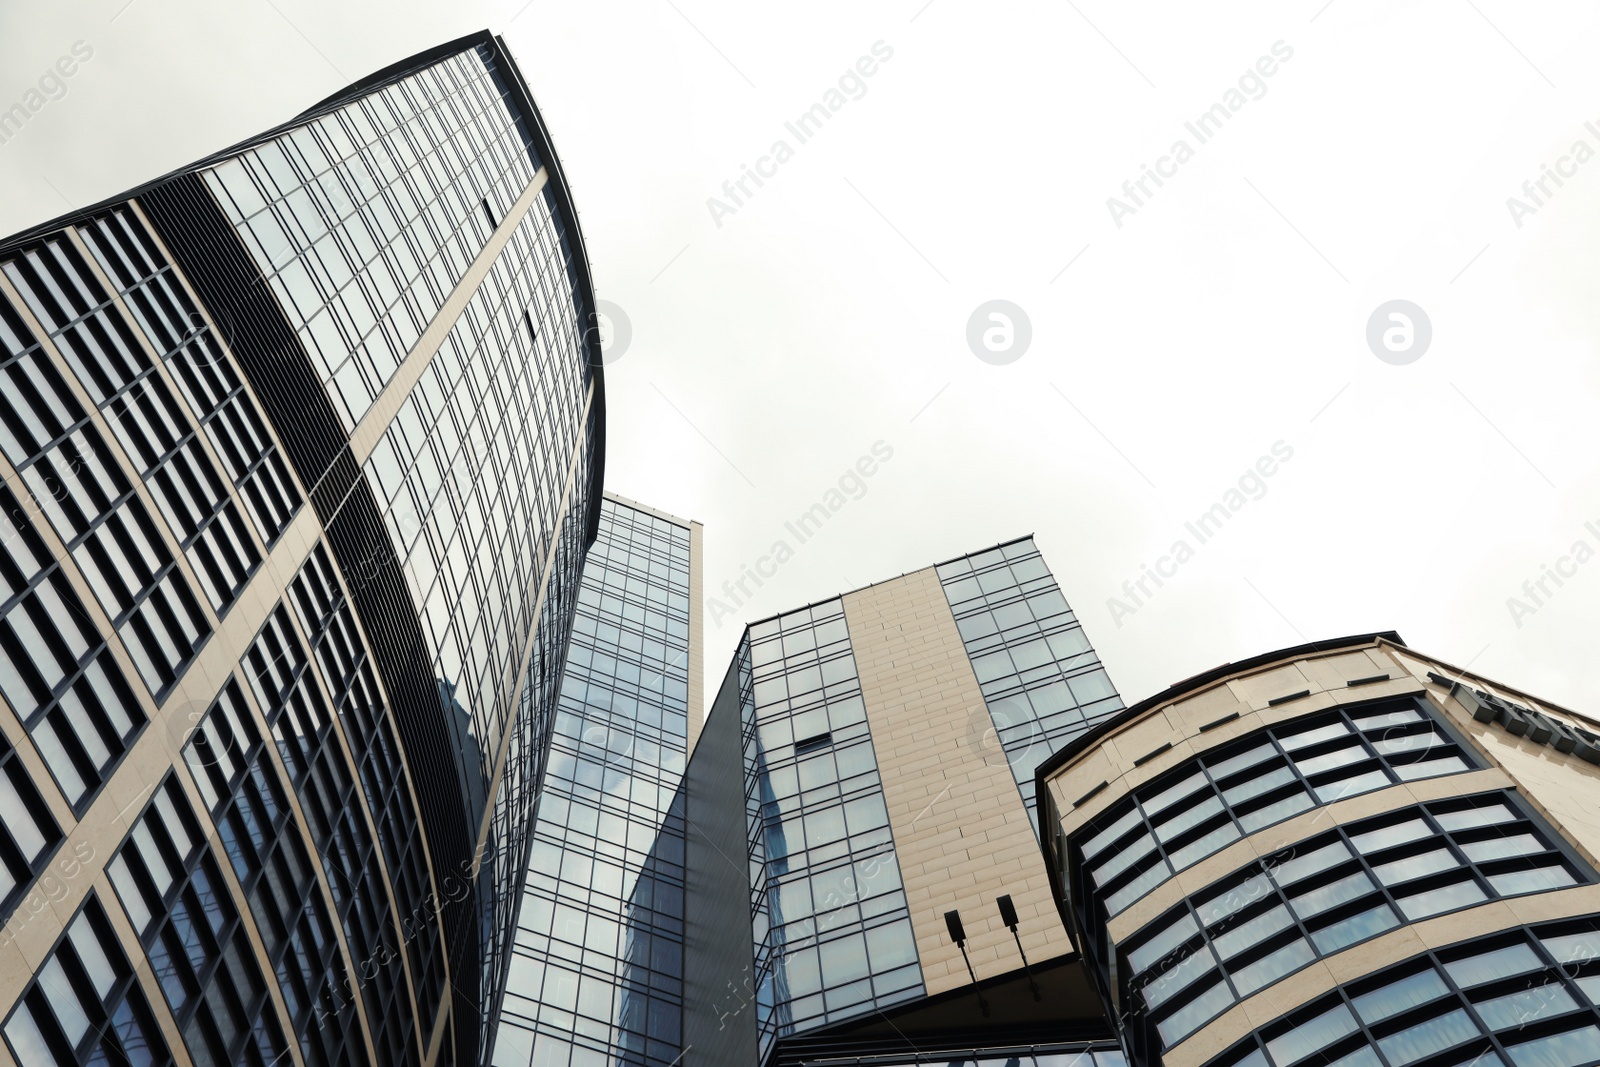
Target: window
x: 173, y: 892
x: 55, y: 669
x: 84, y: 1005
x: 1200, y: 808
x: 1040, y: 678
x: 254, y: 826
x: 76, y: 482
x: 1511, y: 997
x: 833, y: 931
x: 1319, y: 896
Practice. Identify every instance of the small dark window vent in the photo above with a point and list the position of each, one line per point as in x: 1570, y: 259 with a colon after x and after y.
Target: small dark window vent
x: 811, y: 744
x: 488, y: 213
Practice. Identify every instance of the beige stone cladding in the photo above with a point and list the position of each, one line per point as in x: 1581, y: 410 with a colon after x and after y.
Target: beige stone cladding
x: 961, y: 831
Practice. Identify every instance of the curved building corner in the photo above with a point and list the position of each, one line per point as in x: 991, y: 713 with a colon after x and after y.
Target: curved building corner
x: 1341, y: 853
x: 302, y: 455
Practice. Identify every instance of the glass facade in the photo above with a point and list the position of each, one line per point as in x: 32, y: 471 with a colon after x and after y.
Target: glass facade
x: 1209, y: 802
x: 1021, y: 1056
x: 84, y: 1005
x: 364, y: 219
x: 832, y: 929
x: 1041, y: 679
x: 596, y: 974
x: 1329, y: 892
x: 1525, y: 998
x: 184, y: 377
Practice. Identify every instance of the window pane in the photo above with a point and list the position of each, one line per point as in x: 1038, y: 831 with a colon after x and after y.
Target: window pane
x: 1499, y: 847
x: 1446, y: 898
x: 1560, y: 1050
x: 1484, y: 816
x: 1526, y: 1006
x: 1187, y: 1019
x: 1310, y: 737
x: 1313, y: 1035
x: 1365, y: 782
x: 1410, y: 772
x: 1384, y: 836
x: 1270, y: 968
x: 1165, y: 940
x: 1574, y: 948
x: 1514, y: 882
x: 1277, y: 811
x: 1253, y: 932
x: 1424, y: 1039
x: 1300, y: 865
x: 1233, y: 764
x: 1399, y: 996
x: 1487, y: 966
x: 1358, y: 927
x: 1319, y: 900
x: 1178, y: 976
x: 1403, y: 870
x: 1339, y: 757
x: 1204, y: 845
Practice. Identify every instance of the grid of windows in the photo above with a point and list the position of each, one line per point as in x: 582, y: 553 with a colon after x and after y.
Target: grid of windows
x: 474, y: 469
x: 1040, y: 678
x: 363, y: 220
x: 1521, y: 999
x: 1209, y: 802
x: 173, y: 893
x: 329, y: 624
x: 84, y: 1006
x: 295, y: 711
x: 56, y: 671
x: 1030, y: 1056
x: 205, y: 374
x: 28, y: 834
x: 832, y: 928
x: 149, y: 422
x: 473, y: 466
x: 528, y: 750
x: 255, y: 826
x: 1329, y: 892
x: 597, y: 969
x: 77, y: 483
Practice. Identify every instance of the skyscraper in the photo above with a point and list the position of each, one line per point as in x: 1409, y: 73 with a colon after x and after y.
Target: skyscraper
x: 302, y: 447
x: 1341, y: 853
x: 596, y: 975
x: 865, y: 769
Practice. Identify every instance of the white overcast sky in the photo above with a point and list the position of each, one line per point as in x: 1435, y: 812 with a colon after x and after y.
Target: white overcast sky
x: 1227, y: 314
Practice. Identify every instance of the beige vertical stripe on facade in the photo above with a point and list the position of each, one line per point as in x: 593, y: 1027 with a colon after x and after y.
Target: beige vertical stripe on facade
x: 961, y: 830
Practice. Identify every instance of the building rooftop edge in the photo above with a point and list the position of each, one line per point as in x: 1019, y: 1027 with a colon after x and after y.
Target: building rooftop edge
x: 886, y: 581
x: 1082, y: 743
x: 678, y: 520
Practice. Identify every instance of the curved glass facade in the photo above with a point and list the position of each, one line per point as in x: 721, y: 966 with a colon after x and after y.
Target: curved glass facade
x: 1326, y: 893
x: 364, y: 220
x: 380, y: 310
x: 1523, y: 998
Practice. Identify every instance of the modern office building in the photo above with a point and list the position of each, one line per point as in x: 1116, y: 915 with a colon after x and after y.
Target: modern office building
x: 866, y: 768
x: 1342, y: 853
x: 301, y: 449
x: 596, y: 974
